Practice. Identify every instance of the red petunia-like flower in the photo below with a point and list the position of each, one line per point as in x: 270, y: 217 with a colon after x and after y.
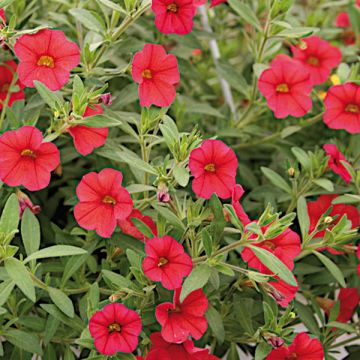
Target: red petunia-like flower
x: 214, y: 167
x: 2, y: 18
x: 335, y: 158
x: 86, y: 139
x: 46, y: 56
x: 318, y: 57
x: 174, y: 16
x: 343, y: 20
x: 282, y: 292
x: 162, y: 350
x: 342, y: 108
x: 156, y: 73
x: 181, y: 320
x: 286, y: 247
x: 166, y: 262
x: 302, y: 348
x: 127, y: 225
x: 7, y: 71
x: 217, y: 2
x: 26, y: 160
x: 286, y: 87
x: 115, y: 328
x: 103, y: 201
x: 237, y: 194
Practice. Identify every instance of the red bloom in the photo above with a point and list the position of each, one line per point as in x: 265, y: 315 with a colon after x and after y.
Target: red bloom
x: 335, y: 158
x: 317, y: 208
x: 342, y: 108
x: 86, y: 139
x: 217, y: 2
x: 2, y: 17
x: 27, y: 160
x: 302, y: 348
x: 174, y: 16
x: 7, y: 72
x: 286, y: 247
x: 166, y: 262
x: 237, y: 193
x: 181, y: 320
x: 214, y: 167
x: 46, y: 56
x: 162, y: 350
x: 286, y: 87
x: 156, y: 73
x: 282, y: 292
x: 318, y: 56
x: 127, y: 226
x: 115, y: 328
x: 103, y: 201
x: 343, y: 20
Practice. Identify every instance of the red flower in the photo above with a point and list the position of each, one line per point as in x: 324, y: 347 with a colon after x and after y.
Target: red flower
x: 115, y: 328
x: 317, y: 208
x: 181, y: 320
x: 174, y: 16
x: 156, y: 73
x: 7, y: 72
x: 286, y: 87
x: 46, y: 56
x: 214, y: 167
x: 302, y: 348
x: 127, y: 226
x: 166, y: 262
x: 282, y: 292
x: 26, y: 160
x: 286, y: 247
x: 86, y: 139
x: 217, y: 2
x: 342, y: 108
x: 162, y: 350
x: 335, y: 158
x: 237, y: 194
x: 318, y: 56
x: 103, y: 201
x: 3, y: 19
x: 199, y: 2
x: 343, y: 20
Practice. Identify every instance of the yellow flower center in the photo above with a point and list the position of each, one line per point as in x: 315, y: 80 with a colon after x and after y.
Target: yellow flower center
x: 109, y: 200
x: 352, y: 108
x: 47, y: 61
x: 115, y: 327
x: 28, y: 153
x: 269, y: 244
x: 162, y: 261
x: 282, y: 88
x: 147, y: 74
x: 313, y: 60
x: 210, y: 167
x: 172, y: 8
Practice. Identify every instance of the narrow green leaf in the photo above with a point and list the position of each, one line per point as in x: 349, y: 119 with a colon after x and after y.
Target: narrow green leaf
x: 303, y: 216
x: 216, y: 323
x: 170, y: 217
x: 88, y: 19
x: 24, y: 341
x: 276, y: 179
x: 325, y: 184
x: 47, y: 95
x: 61, y: 301
x: 30, y: 232
x: 246, y: 13
x: 196, y: 280
x: 117, y: 280
x: 6, y: 288
x: 181, y: 175
x: 10, y: 216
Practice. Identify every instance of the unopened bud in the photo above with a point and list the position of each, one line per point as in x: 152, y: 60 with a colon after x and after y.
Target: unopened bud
x: 276, y: 341
x: 163, y: 193
x: 302, y: 45
x: 106, y: 99
x: 291, y: 172
x: 292, y: 315
x: 328, y: 220
x: 25, y: 202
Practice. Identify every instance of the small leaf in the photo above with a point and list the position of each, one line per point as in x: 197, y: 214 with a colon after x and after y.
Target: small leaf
x: 111, y: 5
x: 170, y: 217
x: 47, y: 95
x: 262, y: 350
x: 30, y: 232
x: 342, y: 326
x: 61, y: 301
x: 87, y: 19
x: 116, y: 279
x: 197, y: 279
x: 325, y: 184
x: 276, y: 179
x: 216, y: 324
x: 10, y: 216
x: 24, y: 341
x: 6, y: 288
x: 181, y: 175
x: 303, y: 216
x: 297, y: 32
x: 246, y: 13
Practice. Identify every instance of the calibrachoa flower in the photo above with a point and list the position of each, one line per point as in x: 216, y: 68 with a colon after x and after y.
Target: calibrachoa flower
x: 46, y: 56
x: 26, y: 159
x: 318, y: 56
x: 102, y: 201
x: 127, y: 225
x: 217, y: 2
x: 302, y: 348
x: 343, y: 20
x: 181, y: 320
x: 286, y: 247
x: 335, y: 158
x: 7, y: 71
x: 162, y: 350
x: 282, y: 292
x: 86, y: 139
x: 174, y: 16
x: 166, y: 262
x: 156, y: 73
x: 2, y: 18
x: 286, y: 87
x: 237, y: 194
x: 214, y: 167
x: 342, y: 108
x: 115, y: 328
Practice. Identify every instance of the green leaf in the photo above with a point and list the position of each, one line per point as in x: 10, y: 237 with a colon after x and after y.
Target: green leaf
x: 116, y: 279
x: 274, y: 264
x: 55, y: 251
x: 307, y: 317
x: 142, y: 227
x: 302, y: 157
x: 47, y: 95
x: 88, y: 19
x: 6, y: 288
x: 100, y: 121
x: 30, y: 232
x: 297, y: 32
x: 10, y: 216
x: 276, y: 179
x: 216, y: 323
x: 325, y: 184
x: 111, y: 5
x: 345, y: 327
x: 61, y: 301
x: 4, y: 3
x: 197, y: 279
x: 181, y: 175
x: 233, y: 353
x: 303, y: 216
x: 24, y: 341
x: 262, y: 350
x: 21, y: 277
x: 170, y: 217
x: 246, y: 13
x: 332, y: 267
